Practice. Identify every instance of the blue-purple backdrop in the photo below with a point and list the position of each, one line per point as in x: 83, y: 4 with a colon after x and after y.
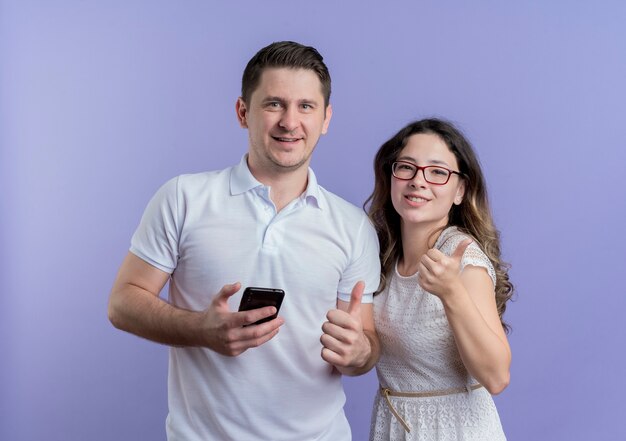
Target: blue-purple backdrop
x: 101, y: 102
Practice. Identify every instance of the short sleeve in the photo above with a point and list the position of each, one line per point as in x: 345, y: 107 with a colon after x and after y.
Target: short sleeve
x: 365, y: 264
x: 475, y: 256
x: 156, y: 238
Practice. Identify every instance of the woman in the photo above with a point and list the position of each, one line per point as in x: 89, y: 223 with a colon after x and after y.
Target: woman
x: 439, y: 307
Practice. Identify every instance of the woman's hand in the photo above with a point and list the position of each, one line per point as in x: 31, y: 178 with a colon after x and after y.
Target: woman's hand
x: 440, y: 274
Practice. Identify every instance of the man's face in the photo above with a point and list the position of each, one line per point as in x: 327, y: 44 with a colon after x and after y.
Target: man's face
x: 285, y: 118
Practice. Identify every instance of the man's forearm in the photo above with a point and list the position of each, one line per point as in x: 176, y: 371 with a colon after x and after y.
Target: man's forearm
x: 139, y: 312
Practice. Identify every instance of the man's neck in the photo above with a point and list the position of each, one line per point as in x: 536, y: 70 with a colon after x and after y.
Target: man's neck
x: 285, y: 185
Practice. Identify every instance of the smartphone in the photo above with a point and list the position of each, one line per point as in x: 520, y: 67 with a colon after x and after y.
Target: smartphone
x: 254, y: 298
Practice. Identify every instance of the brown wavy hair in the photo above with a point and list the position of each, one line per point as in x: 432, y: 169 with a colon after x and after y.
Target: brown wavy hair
x: 472, y: 217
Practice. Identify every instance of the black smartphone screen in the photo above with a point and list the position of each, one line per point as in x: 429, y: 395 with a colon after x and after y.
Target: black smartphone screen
x: 254, y: 298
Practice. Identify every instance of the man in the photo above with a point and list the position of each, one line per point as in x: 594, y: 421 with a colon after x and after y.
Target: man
x: 267, y: 223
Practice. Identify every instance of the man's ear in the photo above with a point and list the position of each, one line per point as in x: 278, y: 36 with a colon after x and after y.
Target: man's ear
x: 328, y: 113
x: 242, y: 112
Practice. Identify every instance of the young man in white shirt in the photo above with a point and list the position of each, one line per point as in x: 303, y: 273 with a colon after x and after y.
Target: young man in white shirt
x: 264, y: 222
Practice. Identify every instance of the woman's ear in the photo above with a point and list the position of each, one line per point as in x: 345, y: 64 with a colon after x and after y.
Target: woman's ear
x: 460, y: 192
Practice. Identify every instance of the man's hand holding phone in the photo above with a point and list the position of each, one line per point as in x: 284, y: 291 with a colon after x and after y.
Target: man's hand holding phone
x: 227, y: 333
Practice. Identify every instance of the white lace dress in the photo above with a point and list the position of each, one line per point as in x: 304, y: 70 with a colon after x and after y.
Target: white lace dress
x: 419, y: 355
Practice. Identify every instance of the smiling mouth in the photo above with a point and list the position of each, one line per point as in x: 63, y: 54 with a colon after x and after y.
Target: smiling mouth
x: 416, y: 199
x: 283, y: 139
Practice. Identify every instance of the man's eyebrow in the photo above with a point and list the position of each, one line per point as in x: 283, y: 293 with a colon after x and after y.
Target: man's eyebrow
x: 308, y: 101
x: 269, y: 99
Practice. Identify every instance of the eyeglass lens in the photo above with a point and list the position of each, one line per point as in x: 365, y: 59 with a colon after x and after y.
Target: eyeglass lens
x: 432, y: 173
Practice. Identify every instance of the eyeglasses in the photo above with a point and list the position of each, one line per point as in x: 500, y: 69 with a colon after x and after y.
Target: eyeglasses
x: 433, y: 174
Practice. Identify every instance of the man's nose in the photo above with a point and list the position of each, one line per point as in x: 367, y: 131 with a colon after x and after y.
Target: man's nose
x: 289, y: 120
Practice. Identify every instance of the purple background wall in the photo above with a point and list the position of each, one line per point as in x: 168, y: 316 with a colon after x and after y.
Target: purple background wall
x: 101, y: 102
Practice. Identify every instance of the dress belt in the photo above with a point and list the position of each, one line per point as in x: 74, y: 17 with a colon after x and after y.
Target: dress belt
x: 435, y: 393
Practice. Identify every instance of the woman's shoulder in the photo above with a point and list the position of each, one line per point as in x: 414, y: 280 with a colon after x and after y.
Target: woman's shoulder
x: 450, y: 238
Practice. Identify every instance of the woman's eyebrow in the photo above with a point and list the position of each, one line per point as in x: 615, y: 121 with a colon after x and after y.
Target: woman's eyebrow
x: 431, y: 161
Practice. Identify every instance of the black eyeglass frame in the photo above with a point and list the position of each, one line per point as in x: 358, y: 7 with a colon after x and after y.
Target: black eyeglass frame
x: 418, y: 168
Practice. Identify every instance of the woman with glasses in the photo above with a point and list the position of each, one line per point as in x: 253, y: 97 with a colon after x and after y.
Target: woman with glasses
x: 438, y: 310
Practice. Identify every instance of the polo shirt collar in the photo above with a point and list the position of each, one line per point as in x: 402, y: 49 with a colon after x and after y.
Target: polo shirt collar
x: 312, y: 194
x: 242, y: 180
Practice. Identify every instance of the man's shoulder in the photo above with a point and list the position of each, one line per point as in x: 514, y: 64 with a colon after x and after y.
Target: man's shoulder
x: 203, y: 177
x: 195, y: 185
x: 202, y: 180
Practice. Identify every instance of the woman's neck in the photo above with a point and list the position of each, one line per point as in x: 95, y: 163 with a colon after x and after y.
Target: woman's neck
x: 416, y: 241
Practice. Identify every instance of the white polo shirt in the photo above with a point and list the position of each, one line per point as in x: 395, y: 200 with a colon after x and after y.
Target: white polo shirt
x: 214, y: 228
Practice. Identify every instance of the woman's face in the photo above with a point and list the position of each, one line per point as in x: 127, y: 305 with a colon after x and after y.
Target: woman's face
x: 417, y: 201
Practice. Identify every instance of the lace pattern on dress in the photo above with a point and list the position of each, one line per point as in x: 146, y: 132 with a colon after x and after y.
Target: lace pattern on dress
x: 418, y: 353
x: 466, y: 417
